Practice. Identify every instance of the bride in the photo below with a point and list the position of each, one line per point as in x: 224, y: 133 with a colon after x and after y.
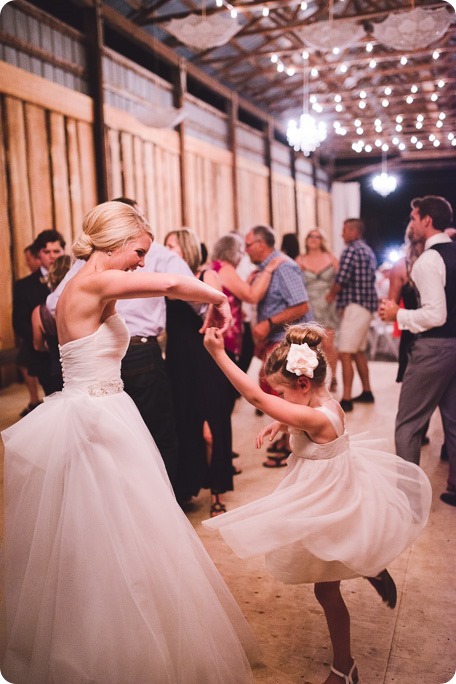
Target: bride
x: 106, y: 581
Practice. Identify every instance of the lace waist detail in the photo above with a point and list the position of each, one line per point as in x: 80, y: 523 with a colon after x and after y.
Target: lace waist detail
x: 105, y: 387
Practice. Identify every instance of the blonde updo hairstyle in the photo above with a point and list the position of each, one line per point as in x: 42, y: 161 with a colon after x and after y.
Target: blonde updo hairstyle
x: 312, y: 334
x: 190, y: 246
x: 109, y: 226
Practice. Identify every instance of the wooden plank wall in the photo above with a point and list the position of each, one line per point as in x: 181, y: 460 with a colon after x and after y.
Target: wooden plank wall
x: 47, y: 176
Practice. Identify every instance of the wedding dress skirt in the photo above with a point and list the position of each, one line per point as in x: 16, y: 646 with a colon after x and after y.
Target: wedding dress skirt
x: 106, y: 581
x: 344, y: 509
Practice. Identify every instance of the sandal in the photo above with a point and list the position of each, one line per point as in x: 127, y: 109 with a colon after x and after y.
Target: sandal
x: 275, y: 447
x: 276, y: 461
x: 351, y: 678
x: 385, y: 587
x: 217, y: 507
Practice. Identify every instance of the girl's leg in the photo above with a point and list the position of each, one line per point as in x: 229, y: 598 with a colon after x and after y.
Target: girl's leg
x: 338, y: 619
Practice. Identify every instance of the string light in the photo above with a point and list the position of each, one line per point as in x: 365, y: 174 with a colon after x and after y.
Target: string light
x: 399, y: 118
x: 369, y: 47
x: 372, y: 64
x: 441, y: 83
x: 414, y: 89
x: 388, y: 90
x: 442, y: 115
x: 435, y: 54
x: 363, y: 94
x: 404, y: 60
x: 398, y: 128
x: 362, y: 104
x: 385, y: 102
x: 343, y: 68
x: 368, y: 148
x: 409, y: 99
x: 305, y: 55
x: 265, y: 11
x: 434, y: 97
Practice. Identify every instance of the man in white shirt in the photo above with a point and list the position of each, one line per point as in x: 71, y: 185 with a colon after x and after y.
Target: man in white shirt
x: 143, y: 369
x: 430, y: 376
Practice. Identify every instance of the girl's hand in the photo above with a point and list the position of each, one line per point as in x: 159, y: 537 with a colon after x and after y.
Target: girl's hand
x: 272, y: 429
x: 213, y: 341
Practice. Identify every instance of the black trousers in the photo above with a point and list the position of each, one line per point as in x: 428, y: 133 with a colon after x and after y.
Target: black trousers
x: 146, y: 381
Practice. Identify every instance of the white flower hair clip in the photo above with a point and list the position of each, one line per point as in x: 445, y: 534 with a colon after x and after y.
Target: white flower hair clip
x: 301, y: 360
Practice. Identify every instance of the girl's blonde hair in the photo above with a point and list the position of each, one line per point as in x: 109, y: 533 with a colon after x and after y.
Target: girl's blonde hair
x: 108, y: 226
x: 312, y: 334
x: 190, y: 246
x: 324, y: 244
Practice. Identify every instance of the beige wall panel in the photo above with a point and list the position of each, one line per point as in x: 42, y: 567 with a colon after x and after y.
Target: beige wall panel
x: 128, y: 176
x: 44, y: 93
x: 306, y: 210
x: 6, y: 300
x: 87, y: 165
x: 283, y: 203
x: 252, y: 197
x: 114, y: 165
x: 74, y: 173
x: 138, y: 161
x: 209, y: 184
x: 60, y: 177
x: 39, y: 168
x: 19, y: 200
x: 325, y: 212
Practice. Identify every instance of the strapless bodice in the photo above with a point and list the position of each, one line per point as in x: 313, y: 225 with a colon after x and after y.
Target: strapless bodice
x: 92, y: 363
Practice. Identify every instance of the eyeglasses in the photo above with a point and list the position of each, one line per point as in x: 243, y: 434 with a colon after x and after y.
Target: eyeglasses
x: 249, y: 244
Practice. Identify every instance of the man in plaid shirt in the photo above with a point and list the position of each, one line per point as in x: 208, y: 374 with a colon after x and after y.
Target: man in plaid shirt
x: 356, y: 299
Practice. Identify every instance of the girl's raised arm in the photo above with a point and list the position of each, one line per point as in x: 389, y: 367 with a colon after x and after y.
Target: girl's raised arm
x: 292, y: 415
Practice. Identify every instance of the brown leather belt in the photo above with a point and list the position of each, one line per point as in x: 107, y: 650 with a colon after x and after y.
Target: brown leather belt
x: 142, y: 339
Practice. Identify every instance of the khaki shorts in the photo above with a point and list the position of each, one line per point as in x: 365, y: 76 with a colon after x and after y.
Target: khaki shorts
x: 354, y: 328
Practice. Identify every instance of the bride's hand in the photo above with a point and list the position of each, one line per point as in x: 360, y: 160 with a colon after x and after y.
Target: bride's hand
x: 218, y: 316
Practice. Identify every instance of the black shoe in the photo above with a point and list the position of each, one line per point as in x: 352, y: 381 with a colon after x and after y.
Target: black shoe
x: 365, y: 397
x: 385, y: 587
x: 346, y: 405
x: 448, y: 498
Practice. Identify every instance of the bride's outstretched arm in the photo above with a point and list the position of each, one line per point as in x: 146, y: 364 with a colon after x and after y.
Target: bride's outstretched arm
x: 120, y: 285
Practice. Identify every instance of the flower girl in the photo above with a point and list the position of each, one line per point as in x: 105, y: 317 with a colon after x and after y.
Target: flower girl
x: 344, y: 509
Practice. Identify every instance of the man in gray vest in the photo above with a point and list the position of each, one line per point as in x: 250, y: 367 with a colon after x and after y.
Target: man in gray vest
x: 430, y: 376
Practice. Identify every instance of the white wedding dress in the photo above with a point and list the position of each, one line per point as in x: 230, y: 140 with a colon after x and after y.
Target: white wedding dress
x: 106, y: 582
x: 344, y: 509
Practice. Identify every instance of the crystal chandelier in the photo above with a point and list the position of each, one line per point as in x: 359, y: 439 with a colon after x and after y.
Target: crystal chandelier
x: 203, y: 32
x: 307, y: 135
x: 383, y: 183
x: 414, y: 29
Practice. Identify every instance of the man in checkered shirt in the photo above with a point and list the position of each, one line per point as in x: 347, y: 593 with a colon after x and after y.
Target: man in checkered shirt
x: 356, y: 299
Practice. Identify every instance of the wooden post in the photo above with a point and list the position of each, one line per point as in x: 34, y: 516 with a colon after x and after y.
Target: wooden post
x: 268, y: 138
x: 93, y: 18
x: 295, y: 188
x: 233, y: 104
x: 180, y: 88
